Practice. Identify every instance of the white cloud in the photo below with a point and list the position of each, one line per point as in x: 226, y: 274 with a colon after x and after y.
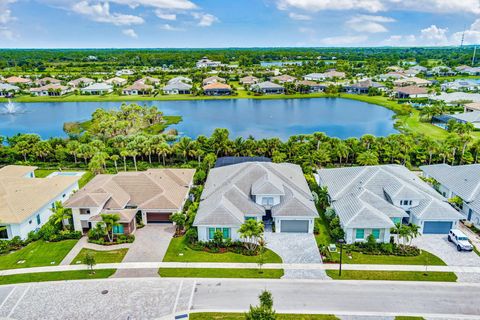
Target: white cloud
x: 401, y: 41
x: 430, y: 36
x: 169, y: 27
x: 159, y: 4
x: 6, y: 18
x: 130, y: 33
x: 368, y: 23
x: 297, y: 16
x: 204, y: 19
x: 434, y: 35
x: 101, y: 13
x: 471, y: 36
x: 438, y: 6
x: 165, y: 15
x: 344, y: 40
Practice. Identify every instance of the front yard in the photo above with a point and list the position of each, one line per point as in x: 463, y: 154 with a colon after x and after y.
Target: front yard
x: 425, y: 258
x: 179, y: 251
x: 111, y: 256
x: 392, y: 275
x: 37, y: 254
x: 220, y: 273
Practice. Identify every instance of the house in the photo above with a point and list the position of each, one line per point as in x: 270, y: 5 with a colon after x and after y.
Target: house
x: 151, y: 196
x: 149, y: 80
x: 412, y: 81
x: 472, y: 117
x: 177, y: 88
x: 411, y: 92
x: 213, y: 79
x: 461, y: 85
x: 314, y: 77
x: 457, y: 97
x: 179, y: 79
x: 26, y: 201
x: 50, y: 90
x: 267, y: 87
x: 392, y: 75
x: 306, y: 86
x: 207, y: 63
x: 473, y: 71
x: 97, y: 88
x: 441, y: 71
x: 47, y: 80
x: 395, y: 68
x: 8, y: 90
x: 18, y: 80
x: 124, y: 72
x: 284, y: 78
x: 116, y: 81
x: 248, y: 80
x: 458, y: 181
x: 217, y: 89
x: 470, y: 107
x: 372, y: 199
x: 137, y: 88
x: 81, y: 82
x: 363, y: 86
x: 275, y: 193
x: 330, y: 74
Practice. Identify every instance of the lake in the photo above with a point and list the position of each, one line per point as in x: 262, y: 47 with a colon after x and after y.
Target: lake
x: 267, y: 118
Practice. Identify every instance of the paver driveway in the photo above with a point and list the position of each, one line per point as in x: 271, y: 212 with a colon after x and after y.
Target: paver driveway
x: 296, y: 248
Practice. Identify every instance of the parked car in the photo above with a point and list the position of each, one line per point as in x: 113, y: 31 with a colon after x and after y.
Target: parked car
x: 460, y: 240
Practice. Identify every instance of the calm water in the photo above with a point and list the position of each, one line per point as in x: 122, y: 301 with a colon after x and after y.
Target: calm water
x: 281, y: 118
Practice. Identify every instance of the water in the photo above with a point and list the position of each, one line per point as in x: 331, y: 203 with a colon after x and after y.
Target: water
x: 10, y: 108
x: 281, y: 118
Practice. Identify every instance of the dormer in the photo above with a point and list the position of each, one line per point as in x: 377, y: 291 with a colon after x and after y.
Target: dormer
x: 403, y: 196
x: 267, y: 191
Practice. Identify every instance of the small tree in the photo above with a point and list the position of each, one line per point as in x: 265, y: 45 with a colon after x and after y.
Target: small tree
x: 262, y: 246
x: 251, y: 231
x: 179, y: 219
x: 89, y: 260
x: 264, y: 311
x: 110, y: 221
x: 60, y: 214
x: 218, y: 238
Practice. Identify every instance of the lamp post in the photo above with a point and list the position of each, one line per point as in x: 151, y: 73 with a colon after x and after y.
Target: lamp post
x: 341, y: 242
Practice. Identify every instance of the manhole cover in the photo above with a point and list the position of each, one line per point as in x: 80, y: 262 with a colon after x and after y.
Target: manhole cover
x: 104, y: 291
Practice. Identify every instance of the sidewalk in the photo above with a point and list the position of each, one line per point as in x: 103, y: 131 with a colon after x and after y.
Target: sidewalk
x: 285, y: 266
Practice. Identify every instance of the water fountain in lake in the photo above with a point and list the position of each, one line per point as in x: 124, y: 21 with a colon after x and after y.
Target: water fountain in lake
x: 11, y: 108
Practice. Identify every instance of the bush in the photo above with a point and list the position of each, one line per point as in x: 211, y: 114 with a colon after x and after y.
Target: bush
x: 191, y: 236
x: 65, y: 235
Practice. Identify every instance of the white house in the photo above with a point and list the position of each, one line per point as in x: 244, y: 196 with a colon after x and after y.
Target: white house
x: 462, y: 181
x: 207, y: 63
x: 8, y: 89
x: 138, y: 88
x: 81, y: 82
x: 26, y: 201
x: 177, y: 88
x: 97, y: 88
x: 116, y: 81
x: 275, y: 193
x: 371, y: 199
x: 50, y: 90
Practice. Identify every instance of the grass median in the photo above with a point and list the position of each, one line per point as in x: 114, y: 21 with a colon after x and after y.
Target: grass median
x: 220, y: 273
x: 241, y: 316
x: 393, y: 275
x: 56, y: 276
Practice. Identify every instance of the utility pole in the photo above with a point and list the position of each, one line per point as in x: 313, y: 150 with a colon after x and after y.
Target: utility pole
x: 474, y: 53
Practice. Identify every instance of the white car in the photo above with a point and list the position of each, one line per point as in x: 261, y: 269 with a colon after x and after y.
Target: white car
x: 460, y: 240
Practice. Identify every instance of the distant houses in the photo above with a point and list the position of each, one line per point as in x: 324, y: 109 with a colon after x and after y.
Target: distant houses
x: 307, y: 86
x: 207, y: 63
x: 213, y: 79
x: 50, y: 90
x: 461, y: 85
x: 149, y: 81
x: 116, y: 81
x: 8, y: 90
x: 47, y: 80
x: 97, y: 89
x: 411, y: 92
x: 81, y: 82
x: 18, y: 80
x: 248, y: 80
x: 177, y: 88
x: 217, y: 89
x: 330, y: 74
x: 363, y: 87
x: 267, y: 87
x: 284, y: 78
x: 412, y: 81
x: 137, y: 88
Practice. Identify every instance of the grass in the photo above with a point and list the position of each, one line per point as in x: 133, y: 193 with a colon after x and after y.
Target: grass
x: 220, y: 273
x: 425, y: 258
x: 408, y: 318
x: 37, y: 254
x: 241, y: 316
x: 56, y: 276
x: 111, y: 256
x: 393, y: 275
x: 178, y: 246
x: 87, y: 176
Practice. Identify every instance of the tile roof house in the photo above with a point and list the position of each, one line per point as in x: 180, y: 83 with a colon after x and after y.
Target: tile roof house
x: 47, y: 80
x: 267, y: 87
x: 473, y: 106
x: 213, y: 79
x: 462, y: 181
x: 179, y: 79
x: 363, y: 86
x: 270, y: 192
x: 149, y: 81
x: 459, y: 84
x: 411, y: 92
x: 217, y: 89
x: 371, y: 199
x: 284, y: 78
x: 207, y: 63
x: 81, y: 82
x: 472, y: 117
x: 116, y: 81
x: 152, y: 196
x: 137, y: 88
x: 26, y: 201
x: 248, y: 80
x: 412, y: 81
x: 18, y: 80
x: 307, y: 86
x: 50, y: 90
x: 97, y: 88
x: 177, y: 88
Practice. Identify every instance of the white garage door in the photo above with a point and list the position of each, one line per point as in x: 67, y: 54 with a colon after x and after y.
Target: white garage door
x: 299, y: 226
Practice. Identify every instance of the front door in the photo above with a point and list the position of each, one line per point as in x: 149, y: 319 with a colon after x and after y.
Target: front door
x: 470, y: 211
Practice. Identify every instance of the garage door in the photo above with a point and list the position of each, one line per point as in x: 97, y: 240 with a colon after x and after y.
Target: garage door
x: 300, y: 226
x: 436, y: 227
x: 157, y: 217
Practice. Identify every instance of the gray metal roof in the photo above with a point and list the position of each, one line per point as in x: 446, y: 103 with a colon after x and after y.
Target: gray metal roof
x: 227, y: 196
x: 177, y: 86
x: 360, y: 194
x: 267, y: 85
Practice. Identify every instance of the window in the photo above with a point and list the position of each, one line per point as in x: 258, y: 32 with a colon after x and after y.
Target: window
x: 267, y: 201
x: 376, y: 233
x: 359, y: 234
x: 3, y: 232
x: 397, y: 220
x: 225, y: 233
x: 38, y: 219
x: 118, y: 229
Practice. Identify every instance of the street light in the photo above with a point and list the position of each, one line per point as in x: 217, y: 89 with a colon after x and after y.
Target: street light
x: 341, y: 242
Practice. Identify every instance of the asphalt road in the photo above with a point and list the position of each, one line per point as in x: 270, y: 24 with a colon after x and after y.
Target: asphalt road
x: 155, y: 298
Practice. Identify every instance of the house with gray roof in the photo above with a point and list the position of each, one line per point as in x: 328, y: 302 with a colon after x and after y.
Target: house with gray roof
x: 8, y: 90
x: 275, y: 193
x: 267, y: 87
x: 372, y: 199
x: 462, y: 181
x: 177, y: 88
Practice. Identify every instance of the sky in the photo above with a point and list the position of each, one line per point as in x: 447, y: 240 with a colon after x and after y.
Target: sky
x: 237, y: 23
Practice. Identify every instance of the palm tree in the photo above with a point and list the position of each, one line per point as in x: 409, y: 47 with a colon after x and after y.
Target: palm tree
x: 110, y: 220
x: 251, y: 231
x: 368, y: 158
x: 114, y: 158
x: 124, y: 154
x: 162, y: 149
x: 179, y: 219
x: 60, y: 214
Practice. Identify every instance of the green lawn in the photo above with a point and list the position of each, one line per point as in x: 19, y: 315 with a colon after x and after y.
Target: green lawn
x: 111, y: 256
x: 241, y: 316
x: 425, y: 258
x: 178, y: 251
x: 220, y: 273
x: 323, y: 237
x: 56, y: 276
x: 408, y: 318
x: 87, y: 176
x: 392, y: 275
x: 37, y: 254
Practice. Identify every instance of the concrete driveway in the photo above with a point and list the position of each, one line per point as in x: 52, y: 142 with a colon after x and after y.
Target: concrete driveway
x: 296, y: 248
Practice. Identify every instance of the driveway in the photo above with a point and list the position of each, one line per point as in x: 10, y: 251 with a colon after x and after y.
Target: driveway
x: 150, y: 245
x: 296, y: 248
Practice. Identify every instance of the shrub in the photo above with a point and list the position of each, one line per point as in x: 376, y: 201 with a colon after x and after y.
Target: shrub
x: 336, y: 231
x: 191, y: 236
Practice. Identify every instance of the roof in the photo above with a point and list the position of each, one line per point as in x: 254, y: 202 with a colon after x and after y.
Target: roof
x: 267, y: 85
x: 284, y: 78
x: 473, y: 105
x: 180, y: 79
x: 148, y: 79
x: 47, y: 87
x: 98, y: 86
x: 213, y: 79
x: 457, y: 96
x: 361, y: 194
x: 227, y: 161
x: 17, y: 80
x: 151, y: 189
x: 21, y: 196
x: 126, y: 215
x: 8, y: 87
x: 138, y: 86
x: 248, y: 79
x: 227, y: 196
x: 216, y: 86
x: 81, y: 80
x: 309, y: 83
x: 116, y: 80
x: 48, y: 79
x: 411, y: 90
x: 415, y: 80
x: 177, y: 86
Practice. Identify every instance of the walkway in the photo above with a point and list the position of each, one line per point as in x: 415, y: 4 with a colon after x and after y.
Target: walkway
x: 297, y: 248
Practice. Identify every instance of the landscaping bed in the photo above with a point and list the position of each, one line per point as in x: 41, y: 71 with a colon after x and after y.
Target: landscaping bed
x: 241, y: 316
x: 392, y: 275
x: 111, y: 256
x: 56, y: 276
x: 220, y: 273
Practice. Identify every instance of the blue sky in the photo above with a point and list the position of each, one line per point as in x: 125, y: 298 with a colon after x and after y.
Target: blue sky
x: 236, y: 23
